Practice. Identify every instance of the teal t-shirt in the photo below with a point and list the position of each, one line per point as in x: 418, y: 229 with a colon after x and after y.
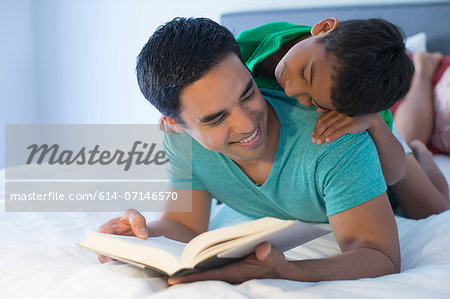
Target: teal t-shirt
x: 259, y: 43
x: 307, y: 181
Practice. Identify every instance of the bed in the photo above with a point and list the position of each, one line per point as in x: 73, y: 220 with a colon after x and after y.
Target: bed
x: 39, y: 258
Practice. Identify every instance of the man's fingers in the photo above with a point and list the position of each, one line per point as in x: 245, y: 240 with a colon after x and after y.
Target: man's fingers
x: 131, y: 222
x: 262, y: 251
x: 222, y: 273
x: 137, y: 222
x: 107, y: 228
x: 235, y: 272
x: 105, y: 259
x: 199, y: 276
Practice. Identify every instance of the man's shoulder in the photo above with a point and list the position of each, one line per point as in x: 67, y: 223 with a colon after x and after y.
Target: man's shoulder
x: 355, y: 146
x: 305, y: 117
x: 177, y: 139
x: 181, y: 144
x: 289, y: 109
x: 182, y: 147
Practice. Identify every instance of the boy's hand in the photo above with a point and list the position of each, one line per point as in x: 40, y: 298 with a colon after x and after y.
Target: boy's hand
x: 130, y: 223
x: 332, y: 124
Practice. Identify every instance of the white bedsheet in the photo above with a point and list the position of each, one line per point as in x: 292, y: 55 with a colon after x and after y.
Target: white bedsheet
x: 39, y: 259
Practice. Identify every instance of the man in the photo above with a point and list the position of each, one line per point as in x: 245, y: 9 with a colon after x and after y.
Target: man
x: 254, y: 154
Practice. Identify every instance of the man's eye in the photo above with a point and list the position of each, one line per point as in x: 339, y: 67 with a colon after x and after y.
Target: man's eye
x: 250, y: 96
x: 218, y: 122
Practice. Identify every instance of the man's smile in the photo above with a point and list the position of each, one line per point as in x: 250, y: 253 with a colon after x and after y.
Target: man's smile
x: 250, y: 140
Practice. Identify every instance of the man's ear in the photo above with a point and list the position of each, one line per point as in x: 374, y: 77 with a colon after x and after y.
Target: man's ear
x: 172, y: 125
x: 325, y: 26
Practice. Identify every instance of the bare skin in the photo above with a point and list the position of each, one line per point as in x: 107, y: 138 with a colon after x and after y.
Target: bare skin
x: 414, y: 119
x: 416, y: 182
x: 366, y: 233
x: 425, y: 159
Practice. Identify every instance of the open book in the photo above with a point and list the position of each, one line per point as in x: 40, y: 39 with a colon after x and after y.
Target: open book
x: 208, y: 250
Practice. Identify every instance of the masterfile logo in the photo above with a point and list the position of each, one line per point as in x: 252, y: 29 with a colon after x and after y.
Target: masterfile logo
x: 91, y: 168
x: 94, y: 156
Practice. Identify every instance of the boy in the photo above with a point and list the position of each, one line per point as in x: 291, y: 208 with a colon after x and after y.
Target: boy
x: 363, y: 70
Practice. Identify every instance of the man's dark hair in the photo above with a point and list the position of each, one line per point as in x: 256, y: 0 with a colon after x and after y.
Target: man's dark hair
x: 178, y: 54
x: 373, y: 70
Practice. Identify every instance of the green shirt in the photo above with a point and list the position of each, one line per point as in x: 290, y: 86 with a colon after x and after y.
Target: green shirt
x: 261, y: 42
x: 307, y: 181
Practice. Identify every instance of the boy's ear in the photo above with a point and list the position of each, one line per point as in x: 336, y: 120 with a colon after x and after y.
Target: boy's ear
x: 171, y: 125
x: 325, y: 26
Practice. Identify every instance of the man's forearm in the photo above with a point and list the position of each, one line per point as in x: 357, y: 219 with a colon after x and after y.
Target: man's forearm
x: 353, y: 264
x: 170, y: 229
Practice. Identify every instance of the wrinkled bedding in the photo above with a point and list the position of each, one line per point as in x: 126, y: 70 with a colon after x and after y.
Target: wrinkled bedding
x: 39, y: 259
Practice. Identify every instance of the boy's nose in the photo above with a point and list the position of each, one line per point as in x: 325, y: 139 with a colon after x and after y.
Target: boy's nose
x: 293, y: 87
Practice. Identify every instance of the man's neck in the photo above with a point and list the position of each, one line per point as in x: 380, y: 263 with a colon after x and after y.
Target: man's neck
x: 258, y: 170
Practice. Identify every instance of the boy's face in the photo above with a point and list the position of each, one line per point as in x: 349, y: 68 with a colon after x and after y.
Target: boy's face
x: 305, y: 73
x: 225, y: 111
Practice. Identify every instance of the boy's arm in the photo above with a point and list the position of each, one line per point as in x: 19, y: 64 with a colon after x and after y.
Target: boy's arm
x: 366, y: 234
x: 332, y: 125
x: 390, y: 151
x: 180, y: 226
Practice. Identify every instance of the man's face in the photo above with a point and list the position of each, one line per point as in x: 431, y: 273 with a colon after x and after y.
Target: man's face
x: 225, y: 111
x: 305, y: 73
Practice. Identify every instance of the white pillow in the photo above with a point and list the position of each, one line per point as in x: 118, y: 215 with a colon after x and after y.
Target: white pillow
x: 416, y: 43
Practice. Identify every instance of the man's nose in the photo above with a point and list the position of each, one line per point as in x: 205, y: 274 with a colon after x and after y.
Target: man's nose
x: 243, y: 121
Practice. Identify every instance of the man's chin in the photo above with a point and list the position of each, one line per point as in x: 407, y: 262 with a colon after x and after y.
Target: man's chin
x: 248, y: 154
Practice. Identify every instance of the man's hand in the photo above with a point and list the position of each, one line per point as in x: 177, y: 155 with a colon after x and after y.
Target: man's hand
x: 266, y: 262
x: 332, y: 125
x: 130, y: 223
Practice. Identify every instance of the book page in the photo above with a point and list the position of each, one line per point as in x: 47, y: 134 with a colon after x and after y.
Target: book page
x: 158, y: 252
x: 288, y: 238
x: 283, y: 235
x: 221, y: 235
x: 173, y: 247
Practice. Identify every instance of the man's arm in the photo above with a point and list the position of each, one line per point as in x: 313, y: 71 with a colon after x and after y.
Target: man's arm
x: 196, y: 220
x: 368, y: 238
x: 366, y: 234
x: 180, y: 226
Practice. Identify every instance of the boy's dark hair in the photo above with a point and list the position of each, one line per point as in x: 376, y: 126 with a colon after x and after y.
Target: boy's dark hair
x: 373, y: 69
x: 178, y: 54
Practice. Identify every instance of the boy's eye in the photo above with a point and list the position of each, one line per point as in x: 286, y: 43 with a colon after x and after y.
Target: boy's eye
x: 302, y: 72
